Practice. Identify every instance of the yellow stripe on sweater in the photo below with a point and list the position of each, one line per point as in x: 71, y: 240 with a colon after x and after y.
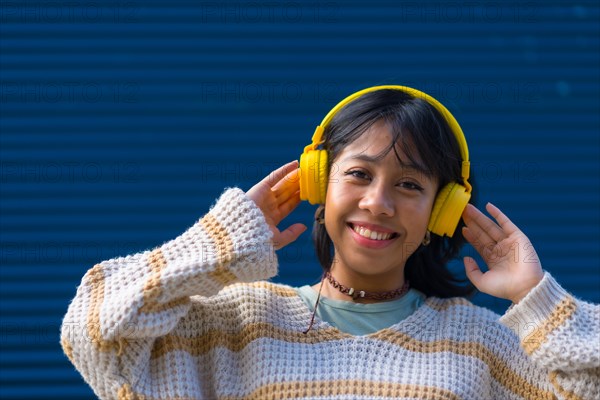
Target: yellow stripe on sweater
x: 563, y: 311
x: 224, y: 246
x: 95, y: 281
x: 278, y: 290
x: 304, y: 389
x: 153, y: 287
x: 333, y: 388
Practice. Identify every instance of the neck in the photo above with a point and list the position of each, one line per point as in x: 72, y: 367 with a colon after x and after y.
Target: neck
x: 347, y: 286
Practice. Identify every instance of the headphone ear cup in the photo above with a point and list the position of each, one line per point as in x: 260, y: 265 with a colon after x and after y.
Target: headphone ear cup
x: 448, y: 208
x: 323, y: 176
x: 313, y: 176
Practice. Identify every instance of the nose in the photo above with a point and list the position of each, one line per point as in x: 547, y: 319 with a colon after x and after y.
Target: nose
x: 378, y: 200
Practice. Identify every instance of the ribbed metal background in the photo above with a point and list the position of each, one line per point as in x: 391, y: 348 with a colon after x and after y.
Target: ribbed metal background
x: 121, y: 122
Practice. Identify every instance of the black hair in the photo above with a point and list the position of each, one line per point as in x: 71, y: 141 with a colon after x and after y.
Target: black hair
x: 425, y: 137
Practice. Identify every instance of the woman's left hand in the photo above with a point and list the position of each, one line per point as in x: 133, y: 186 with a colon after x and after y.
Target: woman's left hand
x: 513, y: 265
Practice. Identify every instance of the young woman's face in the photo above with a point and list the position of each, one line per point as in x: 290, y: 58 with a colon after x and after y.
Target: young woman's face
x: 376, y: 210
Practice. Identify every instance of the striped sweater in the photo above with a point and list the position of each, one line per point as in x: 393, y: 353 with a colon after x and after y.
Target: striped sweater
x: 196, y: 319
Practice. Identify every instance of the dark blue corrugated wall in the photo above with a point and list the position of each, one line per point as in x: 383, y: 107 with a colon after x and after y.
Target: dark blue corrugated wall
x: 121, y: 122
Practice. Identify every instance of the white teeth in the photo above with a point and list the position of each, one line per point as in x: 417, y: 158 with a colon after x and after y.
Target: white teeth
x: 373, y: 235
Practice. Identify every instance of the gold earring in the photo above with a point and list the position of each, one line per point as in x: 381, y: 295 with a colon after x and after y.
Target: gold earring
x: 427, y: 238
x: 320, y: 214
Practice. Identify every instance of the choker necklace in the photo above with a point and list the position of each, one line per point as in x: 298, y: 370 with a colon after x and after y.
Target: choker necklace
x: 362, y: 294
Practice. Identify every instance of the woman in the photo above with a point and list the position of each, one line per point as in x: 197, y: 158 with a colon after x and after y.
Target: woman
x: 195, y: 318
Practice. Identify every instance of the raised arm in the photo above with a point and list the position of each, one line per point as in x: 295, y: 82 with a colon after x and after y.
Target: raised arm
x: 560, y: 333
x: 124, y: 304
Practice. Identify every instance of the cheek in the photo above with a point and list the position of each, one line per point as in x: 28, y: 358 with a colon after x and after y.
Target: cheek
x: 424, y: 207
x: 340, y: 201
x: 337, y: 202
x: 339, y: 191
x: 419, y: 211
x: 333, y: 180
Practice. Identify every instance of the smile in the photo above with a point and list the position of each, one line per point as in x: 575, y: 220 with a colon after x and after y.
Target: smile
x: 372, y: 234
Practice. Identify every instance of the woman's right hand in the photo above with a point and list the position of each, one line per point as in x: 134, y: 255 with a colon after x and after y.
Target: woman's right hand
x: 277, y: 195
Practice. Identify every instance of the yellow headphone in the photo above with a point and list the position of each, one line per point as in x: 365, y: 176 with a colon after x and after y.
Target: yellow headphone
x: 450, y: 201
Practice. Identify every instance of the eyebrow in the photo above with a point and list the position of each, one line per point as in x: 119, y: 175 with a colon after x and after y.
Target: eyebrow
x: 373, y: 159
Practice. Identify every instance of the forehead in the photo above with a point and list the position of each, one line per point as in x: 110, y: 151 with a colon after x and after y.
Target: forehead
x: 376, y: 139
x: 379, y: 144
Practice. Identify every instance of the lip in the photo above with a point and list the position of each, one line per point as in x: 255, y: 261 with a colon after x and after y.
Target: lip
x: 370, y: 243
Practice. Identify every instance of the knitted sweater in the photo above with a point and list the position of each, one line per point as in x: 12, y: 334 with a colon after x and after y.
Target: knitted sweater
x: 194, y: 319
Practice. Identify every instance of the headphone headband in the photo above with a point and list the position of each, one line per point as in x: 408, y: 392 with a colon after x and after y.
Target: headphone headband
x: 452, y: 122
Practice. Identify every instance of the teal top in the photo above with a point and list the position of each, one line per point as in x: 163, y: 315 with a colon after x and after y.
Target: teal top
x: 362, y: 319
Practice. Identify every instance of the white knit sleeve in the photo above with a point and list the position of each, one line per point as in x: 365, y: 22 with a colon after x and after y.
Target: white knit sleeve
x: 561, y: 334
x: 123, y: 304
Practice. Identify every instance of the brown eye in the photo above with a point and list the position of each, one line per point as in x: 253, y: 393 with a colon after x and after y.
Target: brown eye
x: 410, y: 186
x: 357, y: 174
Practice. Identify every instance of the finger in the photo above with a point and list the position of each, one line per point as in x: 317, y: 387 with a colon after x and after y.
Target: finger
x: 484, y: 245
x: 505, y: 223
x: 477, y: 236
x: 480, y: 224
x: 289, y: 205
x: 280, y: 173
x: 473, y: 271
x: 286, y: 187
x: 289, y: 235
